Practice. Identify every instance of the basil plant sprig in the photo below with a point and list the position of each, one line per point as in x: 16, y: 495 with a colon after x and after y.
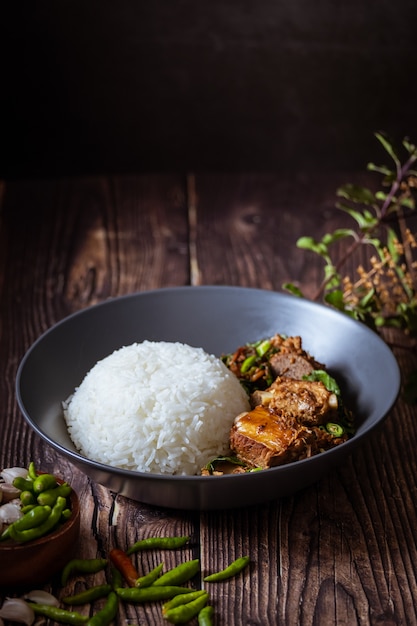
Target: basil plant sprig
x: 383, y: 292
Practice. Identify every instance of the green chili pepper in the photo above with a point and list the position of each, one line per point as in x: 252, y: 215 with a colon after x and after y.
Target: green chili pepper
x: 205, y: 616
x: 186, y: 612
x: 58, y: 615
x: 27, y: 508
x: 233, y: 569
x: 88, y: 595
x: 179, y: 574
x: 335, y: 429
x: 182, y: 598
x: 82, y: 566
x: 34, y: 517
x: 263, y: 347
x: 49, y: 496
x: 116, y: 578
x: 247, y: 363
x: 155, y: 543
x: 27, y: 497
x: 44, y: 482
x: 66, y: 514
x: 32, y: 473
x: 5, y: 534
x: 150, y: 594
x: 212, y: 465
x: 22, y: 536
x: 328, y: 381
x: 23, y: 484
x: 107, y: 613
x: 149, y: 579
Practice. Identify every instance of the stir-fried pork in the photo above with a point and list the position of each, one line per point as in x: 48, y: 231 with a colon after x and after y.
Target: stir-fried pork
x: 262, y: 439
x: 291, y: 418
x: 307, y: 401
x: 291, y: 359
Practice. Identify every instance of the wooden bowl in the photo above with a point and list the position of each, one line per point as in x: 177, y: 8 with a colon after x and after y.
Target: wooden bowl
x: 36, y: 562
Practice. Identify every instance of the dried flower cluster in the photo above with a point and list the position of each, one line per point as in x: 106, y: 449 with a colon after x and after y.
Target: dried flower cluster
x: 391, y: 281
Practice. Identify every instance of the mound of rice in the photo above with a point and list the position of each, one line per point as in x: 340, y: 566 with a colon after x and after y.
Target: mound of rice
x: 159, y: 407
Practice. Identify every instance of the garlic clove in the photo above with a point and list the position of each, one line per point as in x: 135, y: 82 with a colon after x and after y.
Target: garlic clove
x: 17, y: 610
x: 8, y: 474
x: 41, y: 597
x: 10, y: 512
x: 8, y: 492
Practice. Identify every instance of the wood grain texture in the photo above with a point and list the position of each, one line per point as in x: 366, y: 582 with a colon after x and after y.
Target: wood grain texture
x: 343, y: 551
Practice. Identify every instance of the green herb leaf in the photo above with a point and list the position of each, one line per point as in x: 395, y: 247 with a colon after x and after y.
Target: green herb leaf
x: 392, y: 241
x: 410, y: 147
x: 388, y: 147
x: 381, y: 169
x: 324, y: 377
x: 408, y: 203
x: 335, y: 298
x: 357, y: 194
x: 367, y: 299
x: 308, y: 243
x: 339, y: 233
x: 291, y: 288
x: 365, y: 221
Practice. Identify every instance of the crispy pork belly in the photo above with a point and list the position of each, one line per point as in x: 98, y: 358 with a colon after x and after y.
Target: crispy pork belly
x: 260, y: 438
x: 307, y: 401
x: 290, y: 419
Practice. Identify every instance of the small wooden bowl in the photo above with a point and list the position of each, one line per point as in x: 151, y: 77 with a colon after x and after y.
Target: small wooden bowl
x: 36, y: 562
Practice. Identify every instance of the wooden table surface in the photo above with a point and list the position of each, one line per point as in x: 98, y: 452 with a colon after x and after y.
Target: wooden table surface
x: 343, y: 551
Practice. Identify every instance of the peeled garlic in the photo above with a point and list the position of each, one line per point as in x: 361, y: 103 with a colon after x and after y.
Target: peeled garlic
x: 8, y: 492
x: 41, y: 597
x: 17, y: 610
x: 10, y: 512
x: 9, y: 473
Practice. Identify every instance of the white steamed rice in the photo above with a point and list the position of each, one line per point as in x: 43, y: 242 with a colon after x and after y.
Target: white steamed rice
x: 157, y: 407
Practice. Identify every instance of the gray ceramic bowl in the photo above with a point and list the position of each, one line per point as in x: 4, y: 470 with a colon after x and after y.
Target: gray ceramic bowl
x: 218, y: 319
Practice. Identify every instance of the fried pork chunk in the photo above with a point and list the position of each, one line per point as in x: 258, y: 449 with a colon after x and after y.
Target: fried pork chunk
x: 291, y: 418
x: 291, y: 359
x: 262, y: 439
x: 309, y: 402
x: 284, y: 423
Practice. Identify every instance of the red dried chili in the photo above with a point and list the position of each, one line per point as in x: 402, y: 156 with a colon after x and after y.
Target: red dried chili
x: 123, y: 563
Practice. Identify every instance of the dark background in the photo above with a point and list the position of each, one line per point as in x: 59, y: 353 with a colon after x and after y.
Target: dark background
x: 138, y: 85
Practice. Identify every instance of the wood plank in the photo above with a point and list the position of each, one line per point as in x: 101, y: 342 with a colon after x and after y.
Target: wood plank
x: 249, y: 225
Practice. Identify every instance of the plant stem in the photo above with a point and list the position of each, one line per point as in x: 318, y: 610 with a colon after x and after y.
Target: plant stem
x: 401, y: 173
